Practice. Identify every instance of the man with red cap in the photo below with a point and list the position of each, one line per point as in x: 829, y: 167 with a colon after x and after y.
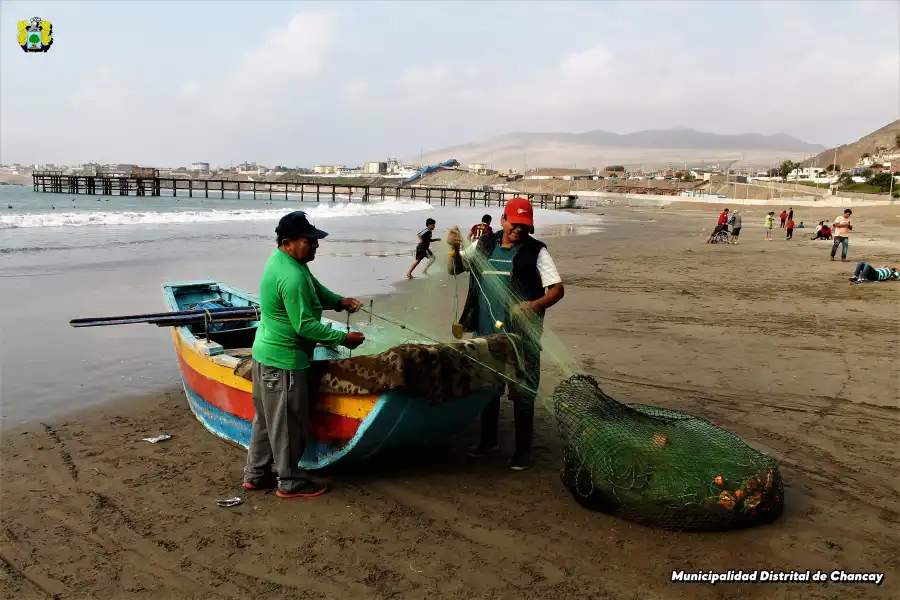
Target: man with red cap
x: 514, y: 281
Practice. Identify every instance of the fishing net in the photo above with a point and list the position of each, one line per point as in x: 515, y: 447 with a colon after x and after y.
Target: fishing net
x: 661, y: 467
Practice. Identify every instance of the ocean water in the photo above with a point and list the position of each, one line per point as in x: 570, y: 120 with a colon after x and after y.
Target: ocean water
x: 64, y: 256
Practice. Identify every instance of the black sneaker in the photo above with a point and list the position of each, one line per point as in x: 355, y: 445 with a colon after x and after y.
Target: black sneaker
x: 302, y: 489
x: 482, y: 450
x: 853, y: 280
x: 520, y: 461
x: 266, y: 482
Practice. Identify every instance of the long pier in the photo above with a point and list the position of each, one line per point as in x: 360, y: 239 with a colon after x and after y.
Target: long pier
x: 122, y: 185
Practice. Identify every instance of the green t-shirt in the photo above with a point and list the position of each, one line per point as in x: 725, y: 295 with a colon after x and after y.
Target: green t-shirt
x: 291, y: 304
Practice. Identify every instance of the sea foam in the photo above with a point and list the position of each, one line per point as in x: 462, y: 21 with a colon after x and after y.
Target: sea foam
x: 320, y: 211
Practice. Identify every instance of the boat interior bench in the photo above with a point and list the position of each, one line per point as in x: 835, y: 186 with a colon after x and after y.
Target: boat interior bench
x: 229, y: 338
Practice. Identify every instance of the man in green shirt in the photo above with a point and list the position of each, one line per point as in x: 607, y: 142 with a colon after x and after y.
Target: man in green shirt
x: 290, y: 326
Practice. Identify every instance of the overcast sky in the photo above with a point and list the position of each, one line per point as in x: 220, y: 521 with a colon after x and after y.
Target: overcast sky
x: 296, y: 83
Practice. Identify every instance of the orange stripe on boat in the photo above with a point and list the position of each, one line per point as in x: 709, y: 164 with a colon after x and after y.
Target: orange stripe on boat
x: 233, y: 401
x: 327, y: 427
x: 354, y: 407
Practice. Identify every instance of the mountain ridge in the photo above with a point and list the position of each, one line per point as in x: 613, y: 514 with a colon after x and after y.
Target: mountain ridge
x: 848, y: 155
x: 652, y: 146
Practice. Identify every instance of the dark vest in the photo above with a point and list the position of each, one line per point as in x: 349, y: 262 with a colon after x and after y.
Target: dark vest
x: 525, y: 281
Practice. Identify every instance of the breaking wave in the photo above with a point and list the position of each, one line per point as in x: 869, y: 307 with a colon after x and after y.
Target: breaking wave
x: 86, y: 219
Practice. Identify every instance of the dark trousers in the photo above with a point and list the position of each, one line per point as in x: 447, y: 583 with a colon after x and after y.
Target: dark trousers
x: 843, y: 242
x: 790, y: 233
x: 523, y: 405
x: 864, y: 271
x: 281, y: 399
x: 783, y: 221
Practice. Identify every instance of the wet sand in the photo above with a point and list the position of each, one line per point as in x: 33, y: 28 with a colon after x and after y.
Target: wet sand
x: 767, y: 339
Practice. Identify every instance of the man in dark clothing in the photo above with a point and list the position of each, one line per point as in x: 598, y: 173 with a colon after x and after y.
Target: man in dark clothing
x: 291, y: 303
x: 514, y: 281
x: 423, y: 249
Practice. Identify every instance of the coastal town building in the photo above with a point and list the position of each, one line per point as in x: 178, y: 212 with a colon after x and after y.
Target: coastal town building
x: 199, y: 167
x: 376, y: 167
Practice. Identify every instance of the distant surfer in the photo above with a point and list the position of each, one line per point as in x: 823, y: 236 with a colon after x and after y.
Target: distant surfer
x: 423, y: 248
x: 290, y: 326
x: 514, y: 282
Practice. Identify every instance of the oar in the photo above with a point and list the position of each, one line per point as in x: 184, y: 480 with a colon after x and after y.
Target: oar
x: 77, y: 322
x: 171, y: 318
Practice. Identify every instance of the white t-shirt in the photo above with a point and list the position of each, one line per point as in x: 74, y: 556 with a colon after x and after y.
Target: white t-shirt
x: 842, y: 226
x: 545, y: 266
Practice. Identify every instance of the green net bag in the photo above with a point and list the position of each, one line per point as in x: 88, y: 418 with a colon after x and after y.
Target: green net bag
x: 661, y: 467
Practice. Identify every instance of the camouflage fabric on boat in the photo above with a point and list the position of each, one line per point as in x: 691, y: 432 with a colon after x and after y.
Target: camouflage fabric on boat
x: 436, y: 372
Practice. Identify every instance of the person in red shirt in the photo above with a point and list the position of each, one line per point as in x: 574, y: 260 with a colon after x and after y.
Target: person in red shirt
x: 723, y: 218
x: 723, y: 224
x: 481, y: 229
x: 790, y: 229
x: 783, y: 217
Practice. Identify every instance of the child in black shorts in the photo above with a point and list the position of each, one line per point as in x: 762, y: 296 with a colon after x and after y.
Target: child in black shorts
x: 422, y: 249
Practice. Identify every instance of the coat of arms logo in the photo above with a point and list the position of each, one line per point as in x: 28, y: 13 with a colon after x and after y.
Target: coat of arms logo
x: 35, y: 35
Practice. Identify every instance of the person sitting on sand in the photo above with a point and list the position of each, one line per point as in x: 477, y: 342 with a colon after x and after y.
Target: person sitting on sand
x: 423, y: 249
x: 823, y: 232
x: 720, y: 226
x: 291, y: 302
x: 482, y: 228
x: 801, y: 225
x: 515, y: 282
x: 865, y: 273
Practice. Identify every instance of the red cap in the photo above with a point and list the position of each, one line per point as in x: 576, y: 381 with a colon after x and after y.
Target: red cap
x: 518, y: 210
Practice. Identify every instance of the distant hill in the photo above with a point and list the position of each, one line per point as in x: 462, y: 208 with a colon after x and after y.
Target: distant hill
x: 651, y: 148
x: 850, y: 154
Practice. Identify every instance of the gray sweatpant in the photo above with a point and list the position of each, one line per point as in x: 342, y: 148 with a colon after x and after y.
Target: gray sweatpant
x: 278, y: 435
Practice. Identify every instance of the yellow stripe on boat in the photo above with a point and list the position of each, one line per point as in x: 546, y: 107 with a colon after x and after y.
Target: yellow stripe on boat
x: 355, y: 407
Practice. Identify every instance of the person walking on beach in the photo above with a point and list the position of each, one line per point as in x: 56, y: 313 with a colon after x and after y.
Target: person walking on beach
x: 482, y: 228
x: 783, y: 216
x: 514, y: 282
x: 423, y: 249
x: 291, y: 304
x: 790, y: 229
x: 770, y: 222
x: 735, y: 223
x: 790, y: 214
x: 842, y: 228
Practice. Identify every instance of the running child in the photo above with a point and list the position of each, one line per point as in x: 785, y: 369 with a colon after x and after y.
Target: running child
x: 790, y: 229
x: 423, y: 248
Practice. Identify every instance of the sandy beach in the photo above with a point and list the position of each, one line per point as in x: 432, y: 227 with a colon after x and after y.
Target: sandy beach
x: 767, y: 339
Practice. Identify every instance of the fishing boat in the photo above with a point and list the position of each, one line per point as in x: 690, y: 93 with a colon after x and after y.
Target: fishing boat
x: 343, y: 426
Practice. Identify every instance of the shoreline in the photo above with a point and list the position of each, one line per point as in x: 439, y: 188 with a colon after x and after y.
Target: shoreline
x: 744, y: 336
